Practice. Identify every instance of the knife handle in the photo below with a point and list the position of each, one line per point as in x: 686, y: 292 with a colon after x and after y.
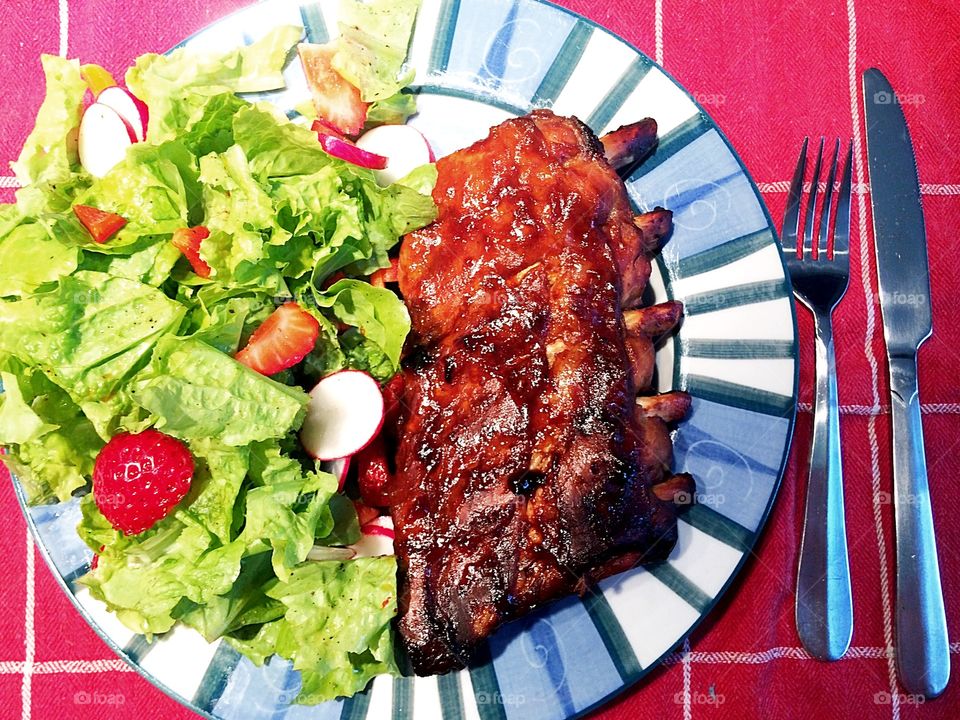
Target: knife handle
x: 824, y: 609
x: 923, y: 650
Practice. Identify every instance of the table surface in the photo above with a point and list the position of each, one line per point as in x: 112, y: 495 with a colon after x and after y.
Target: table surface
x: 768, y: 76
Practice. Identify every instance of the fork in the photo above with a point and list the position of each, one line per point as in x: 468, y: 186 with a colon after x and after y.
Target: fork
x: 824, y: 607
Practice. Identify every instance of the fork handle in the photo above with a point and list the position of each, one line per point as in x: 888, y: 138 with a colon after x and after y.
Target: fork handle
x: 923, y: 651
x: 824, y: 608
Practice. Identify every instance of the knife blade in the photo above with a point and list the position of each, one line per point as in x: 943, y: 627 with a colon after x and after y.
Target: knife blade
x: 923, y: 650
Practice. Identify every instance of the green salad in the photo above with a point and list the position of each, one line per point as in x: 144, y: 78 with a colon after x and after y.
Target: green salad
x: 103, y: 337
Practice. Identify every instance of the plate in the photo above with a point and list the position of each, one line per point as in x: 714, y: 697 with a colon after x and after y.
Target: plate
x: 479, y: 62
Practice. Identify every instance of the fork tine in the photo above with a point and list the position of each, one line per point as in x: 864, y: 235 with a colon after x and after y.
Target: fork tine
x: 791, y: 216
x: 841, y: 235
x: 828, y: 204
x: 812, y: 205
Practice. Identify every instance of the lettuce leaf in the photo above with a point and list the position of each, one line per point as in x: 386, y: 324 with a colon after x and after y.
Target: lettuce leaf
x: 288, y: 509
x: 394, y: 110
x: 91, y: 333
x: 215, y: 488
x: 238, y: 214
x: 336, y: 628
x: 372, y: 46
x: 278, y: 148
x: 29, y: 258
x: 49, y: 166
x: 197, y: 392
x: 51, y: 446
x: 176, y: 87
x: 379, y: 315
x: 143, y: 578
x: 155, y: 189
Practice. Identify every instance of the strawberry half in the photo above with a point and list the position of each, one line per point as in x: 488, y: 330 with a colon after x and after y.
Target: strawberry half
x: 337, y: 102
x: 100, y: 224
x: 187, y: 241
x: 390, y: 274
x: 283, y: 340
x: 139, y: 479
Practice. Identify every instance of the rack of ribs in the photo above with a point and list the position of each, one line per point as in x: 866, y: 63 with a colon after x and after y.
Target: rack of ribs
x: 527, y: 467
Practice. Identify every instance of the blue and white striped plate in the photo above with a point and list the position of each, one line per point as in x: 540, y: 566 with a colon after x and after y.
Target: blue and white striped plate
x: 479, y: 62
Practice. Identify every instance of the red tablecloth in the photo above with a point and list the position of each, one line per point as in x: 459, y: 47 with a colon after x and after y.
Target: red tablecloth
x: 768, y: 76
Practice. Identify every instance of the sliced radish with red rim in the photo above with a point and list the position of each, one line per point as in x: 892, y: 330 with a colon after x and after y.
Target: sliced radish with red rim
x: 344, y: 415
x: 103, y: 139
x: 376, y: 538
x: 339, y: 469
x: 129, y: 107
x: 404, y: 147
x: 338, y: 147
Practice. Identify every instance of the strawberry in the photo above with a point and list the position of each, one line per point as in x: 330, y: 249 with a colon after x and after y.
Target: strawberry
x: 101, y: 225
x: 386, y: 275
x: 322, y: 126
x: 373, y: 473
x: 139, y: 479
x: 282, y: 341
x: 187, y: 241
x: 365, y: 513
x: 337, y: 102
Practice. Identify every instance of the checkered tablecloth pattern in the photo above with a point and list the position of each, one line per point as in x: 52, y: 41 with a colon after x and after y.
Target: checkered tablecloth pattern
x: 768, y: 75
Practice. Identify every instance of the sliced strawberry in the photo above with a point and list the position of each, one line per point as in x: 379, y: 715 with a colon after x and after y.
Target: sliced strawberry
x: 139, y: 479
x: 386, y: 275
x: 101, y: 225
x: 322, y: 126
x: 283, y: 340
x: 365, y: 513
x: 337, y: 102
x: 187, y: 241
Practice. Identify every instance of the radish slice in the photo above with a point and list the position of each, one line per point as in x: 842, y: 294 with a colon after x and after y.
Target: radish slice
x: 376, y: 528
x: 345, y: 413
x: 377, y: 538
x: 129, y: 107
x: 103, y: 140
x: 404, y: 146
x: 339, y: 469
x: 346, y: 150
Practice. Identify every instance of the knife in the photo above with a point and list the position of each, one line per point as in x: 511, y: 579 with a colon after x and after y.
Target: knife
x: 923, y: 651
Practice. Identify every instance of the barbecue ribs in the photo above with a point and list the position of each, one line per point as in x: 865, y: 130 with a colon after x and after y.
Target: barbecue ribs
x: 526, y: 465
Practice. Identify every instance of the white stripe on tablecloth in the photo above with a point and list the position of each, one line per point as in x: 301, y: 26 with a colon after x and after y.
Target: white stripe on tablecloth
x: 64, y: 10
x: 687, y: 699
x: 8, y: 181
x: 869, y: 338
x: 868, y: 410
x: 29, y: 628
x: 70, y: 667
x: 722, y: 657
x: 658, y: 30
x: 29, y: 639
x: 782, y: 186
